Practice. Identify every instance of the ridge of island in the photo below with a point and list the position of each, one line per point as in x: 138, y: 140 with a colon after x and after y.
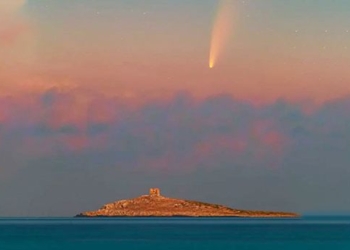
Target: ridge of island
x: 155, y: 205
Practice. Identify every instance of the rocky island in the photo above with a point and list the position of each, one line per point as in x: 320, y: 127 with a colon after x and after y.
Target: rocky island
x: 159, y: 206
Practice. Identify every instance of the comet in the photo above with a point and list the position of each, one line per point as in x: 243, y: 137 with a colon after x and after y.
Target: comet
x: 221, y: 31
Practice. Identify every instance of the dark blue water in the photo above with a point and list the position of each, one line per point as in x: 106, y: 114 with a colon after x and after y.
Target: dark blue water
x: 175, y: 233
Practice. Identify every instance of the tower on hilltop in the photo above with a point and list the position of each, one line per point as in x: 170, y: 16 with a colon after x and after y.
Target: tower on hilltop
x: 154, y: 192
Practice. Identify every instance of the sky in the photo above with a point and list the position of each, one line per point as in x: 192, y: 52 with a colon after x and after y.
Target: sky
x: 244, y: 103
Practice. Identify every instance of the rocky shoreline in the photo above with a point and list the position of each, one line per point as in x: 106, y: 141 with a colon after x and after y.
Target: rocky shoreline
x: 155, y: 205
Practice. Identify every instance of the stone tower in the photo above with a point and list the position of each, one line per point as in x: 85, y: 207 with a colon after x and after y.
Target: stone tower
x: 154, y: 192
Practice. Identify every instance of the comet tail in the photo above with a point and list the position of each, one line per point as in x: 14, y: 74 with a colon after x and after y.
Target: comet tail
x: 221, y: 30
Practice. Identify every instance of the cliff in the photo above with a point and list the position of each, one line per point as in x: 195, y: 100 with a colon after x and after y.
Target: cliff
x: 156, y: 205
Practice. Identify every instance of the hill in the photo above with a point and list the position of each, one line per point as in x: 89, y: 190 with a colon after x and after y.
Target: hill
x: 156, y: 205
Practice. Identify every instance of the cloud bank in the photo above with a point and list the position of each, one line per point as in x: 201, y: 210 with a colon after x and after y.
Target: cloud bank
x: 81, y: 147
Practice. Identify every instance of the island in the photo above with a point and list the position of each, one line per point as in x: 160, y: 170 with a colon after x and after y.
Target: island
x: 156, y: 205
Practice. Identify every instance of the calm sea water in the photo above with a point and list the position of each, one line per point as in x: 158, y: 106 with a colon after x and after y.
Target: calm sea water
x: 175, y: 233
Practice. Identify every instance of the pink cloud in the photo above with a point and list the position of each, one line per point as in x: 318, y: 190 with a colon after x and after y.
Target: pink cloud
x: 178, y: 133
x: 231, y: 144
x: 76, y: 143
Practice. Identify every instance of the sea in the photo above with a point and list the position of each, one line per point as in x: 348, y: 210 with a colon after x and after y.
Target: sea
x: 180, y: 233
